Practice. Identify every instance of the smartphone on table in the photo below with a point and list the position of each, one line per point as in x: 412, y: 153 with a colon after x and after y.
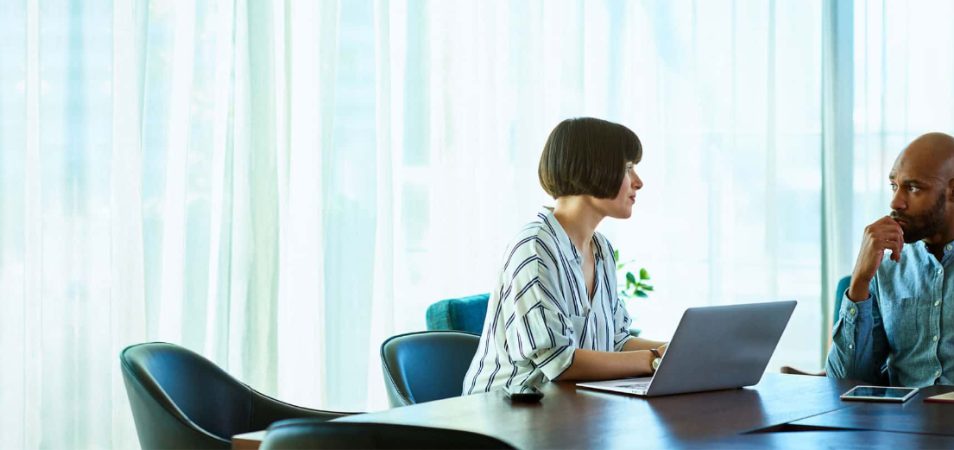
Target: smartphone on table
x: 880, y: 394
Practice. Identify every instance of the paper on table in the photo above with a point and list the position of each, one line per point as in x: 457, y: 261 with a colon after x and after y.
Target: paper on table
x: 941, y: 398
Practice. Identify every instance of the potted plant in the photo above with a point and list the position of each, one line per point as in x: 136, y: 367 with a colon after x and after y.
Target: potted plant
x: 631, y: 285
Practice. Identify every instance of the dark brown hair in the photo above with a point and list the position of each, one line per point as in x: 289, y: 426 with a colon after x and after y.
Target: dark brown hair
x: 587, y: 156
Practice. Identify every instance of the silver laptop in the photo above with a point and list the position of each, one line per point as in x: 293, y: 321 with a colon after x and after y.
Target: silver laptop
x: 714, y: 347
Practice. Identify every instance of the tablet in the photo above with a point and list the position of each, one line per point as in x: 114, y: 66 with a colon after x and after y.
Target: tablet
x: 879, y: 393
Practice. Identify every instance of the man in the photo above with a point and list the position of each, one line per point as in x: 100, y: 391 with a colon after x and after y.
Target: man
x: 897, y: 319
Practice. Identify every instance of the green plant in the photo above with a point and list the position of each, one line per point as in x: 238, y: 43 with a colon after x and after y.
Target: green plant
x: 631, y: 286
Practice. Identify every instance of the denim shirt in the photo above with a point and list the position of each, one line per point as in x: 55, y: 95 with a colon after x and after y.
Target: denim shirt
x: 903, y: 333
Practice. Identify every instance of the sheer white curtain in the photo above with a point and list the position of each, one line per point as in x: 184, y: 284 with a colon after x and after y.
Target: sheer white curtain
x: 282, y: 185
x: 895, y: 87
x: 904, y: 65
x: 161, y: 180
x: 725, y: 95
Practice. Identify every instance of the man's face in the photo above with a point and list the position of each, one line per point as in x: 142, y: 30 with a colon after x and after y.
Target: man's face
x: 923, y: 224
x: 919, y: 204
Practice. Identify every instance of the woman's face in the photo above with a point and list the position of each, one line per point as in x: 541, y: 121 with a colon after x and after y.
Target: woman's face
x: 621, y: 207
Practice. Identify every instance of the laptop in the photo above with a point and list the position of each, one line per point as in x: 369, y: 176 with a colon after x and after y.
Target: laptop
x: 714, y: 347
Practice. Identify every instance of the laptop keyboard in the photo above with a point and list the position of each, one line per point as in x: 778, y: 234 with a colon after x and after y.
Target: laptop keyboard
x: 642, y: 385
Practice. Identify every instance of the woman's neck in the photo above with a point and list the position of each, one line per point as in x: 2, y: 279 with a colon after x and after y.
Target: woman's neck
x: 578, y: 218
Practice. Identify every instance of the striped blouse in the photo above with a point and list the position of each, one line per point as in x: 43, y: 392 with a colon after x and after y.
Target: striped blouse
x: 539, y: 312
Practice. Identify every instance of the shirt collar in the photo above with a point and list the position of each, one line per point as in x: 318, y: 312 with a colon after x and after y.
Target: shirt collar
x: 948, y: 251
x: 562, y: 238
x: 920, y: 248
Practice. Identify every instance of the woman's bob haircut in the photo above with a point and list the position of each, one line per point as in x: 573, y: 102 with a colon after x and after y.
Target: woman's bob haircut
x: 587, y: 156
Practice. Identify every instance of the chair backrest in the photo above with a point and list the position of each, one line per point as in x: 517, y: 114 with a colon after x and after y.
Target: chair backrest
x: 181, y: 400
x: 458, y: 314
x: 840, y: 289
x: 303, y: 434
x: 426, y: 365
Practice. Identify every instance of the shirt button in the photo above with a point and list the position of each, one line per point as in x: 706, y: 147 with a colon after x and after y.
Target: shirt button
x: 851, y: 346
x: 935, y: 338
x: 937, y: 302
x: 937, y: 373
x: 940, y: 271
x: 851, y: 310
x: 947, y: 247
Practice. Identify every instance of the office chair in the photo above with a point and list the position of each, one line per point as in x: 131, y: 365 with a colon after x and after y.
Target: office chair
x: 181, y: 400
x: 426, y: 365
x: 301, y: 434
x: 840, y: 289
x: 458, y: 314
x: 465, y: 314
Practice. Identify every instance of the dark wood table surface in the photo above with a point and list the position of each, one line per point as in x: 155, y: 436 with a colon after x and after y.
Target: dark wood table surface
x: 762, y: 416
x: 571, y: 417
x: 834, y: 440
x: 913, y: 416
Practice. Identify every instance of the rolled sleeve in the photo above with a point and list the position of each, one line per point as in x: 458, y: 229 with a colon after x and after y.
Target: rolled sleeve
x: 855, y: 313
x: 858, y: 342
x: 541, y: 331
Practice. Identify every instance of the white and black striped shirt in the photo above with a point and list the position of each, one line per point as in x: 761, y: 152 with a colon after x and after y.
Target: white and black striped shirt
x: 539, y: 312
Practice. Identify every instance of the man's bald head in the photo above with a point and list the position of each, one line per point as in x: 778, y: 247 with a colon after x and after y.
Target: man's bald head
x: 931, y: 154
x: 935, y: 139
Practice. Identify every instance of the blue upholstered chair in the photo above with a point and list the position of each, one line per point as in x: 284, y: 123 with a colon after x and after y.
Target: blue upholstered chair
x: 458, y: 314
x: 843, y: 284
x: 840, y: 289
x: 426, y: 365
x: 465, y: 314
x: 181, y: 400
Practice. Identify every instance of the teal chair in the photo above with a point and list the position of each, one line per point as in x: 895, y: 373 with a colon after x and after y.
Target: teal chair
x: 181, y: 400
x: 426, y: 365
x: 465, y: 314
x: 458, y: 314
x: 840, y: 289
x: 843, y: 285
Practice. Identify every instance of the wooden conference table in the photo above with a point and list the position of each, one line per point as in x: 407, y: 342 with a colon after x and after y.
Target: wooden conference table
x: 782, y: 411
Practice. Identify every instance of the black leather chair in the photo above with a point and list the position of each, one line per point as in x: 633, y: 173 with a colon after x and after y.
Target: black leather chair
x: 426, y: 365
x: 301, y: 434
x: 181, y: 400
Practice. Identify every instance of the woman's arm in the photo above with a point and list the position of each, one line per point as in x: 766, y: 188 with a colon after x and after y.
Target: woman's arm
x: 596, y: 365
x: 634, y: 344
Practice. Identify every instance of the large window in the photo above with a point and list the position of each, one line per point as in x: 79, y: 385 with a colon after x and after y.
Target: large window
x: 282, y: 185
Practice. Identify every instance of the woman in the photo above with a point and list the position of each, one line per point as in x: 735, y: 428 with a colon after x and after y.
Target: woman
x: 555, y: 311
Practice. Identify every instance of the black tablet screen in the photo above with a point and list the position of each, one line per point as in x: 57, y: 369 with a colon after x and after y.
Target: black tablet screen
x: 879, y: 392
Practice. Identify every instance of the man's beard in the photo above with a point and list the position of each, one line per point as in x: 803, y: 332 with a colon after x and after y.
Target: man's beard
x: 927, y: 224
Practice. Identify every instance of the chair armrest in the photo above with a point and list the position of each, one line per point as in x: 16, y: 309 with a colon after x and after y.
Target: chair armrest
x: 267, y: 410
x: 793, y: 371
